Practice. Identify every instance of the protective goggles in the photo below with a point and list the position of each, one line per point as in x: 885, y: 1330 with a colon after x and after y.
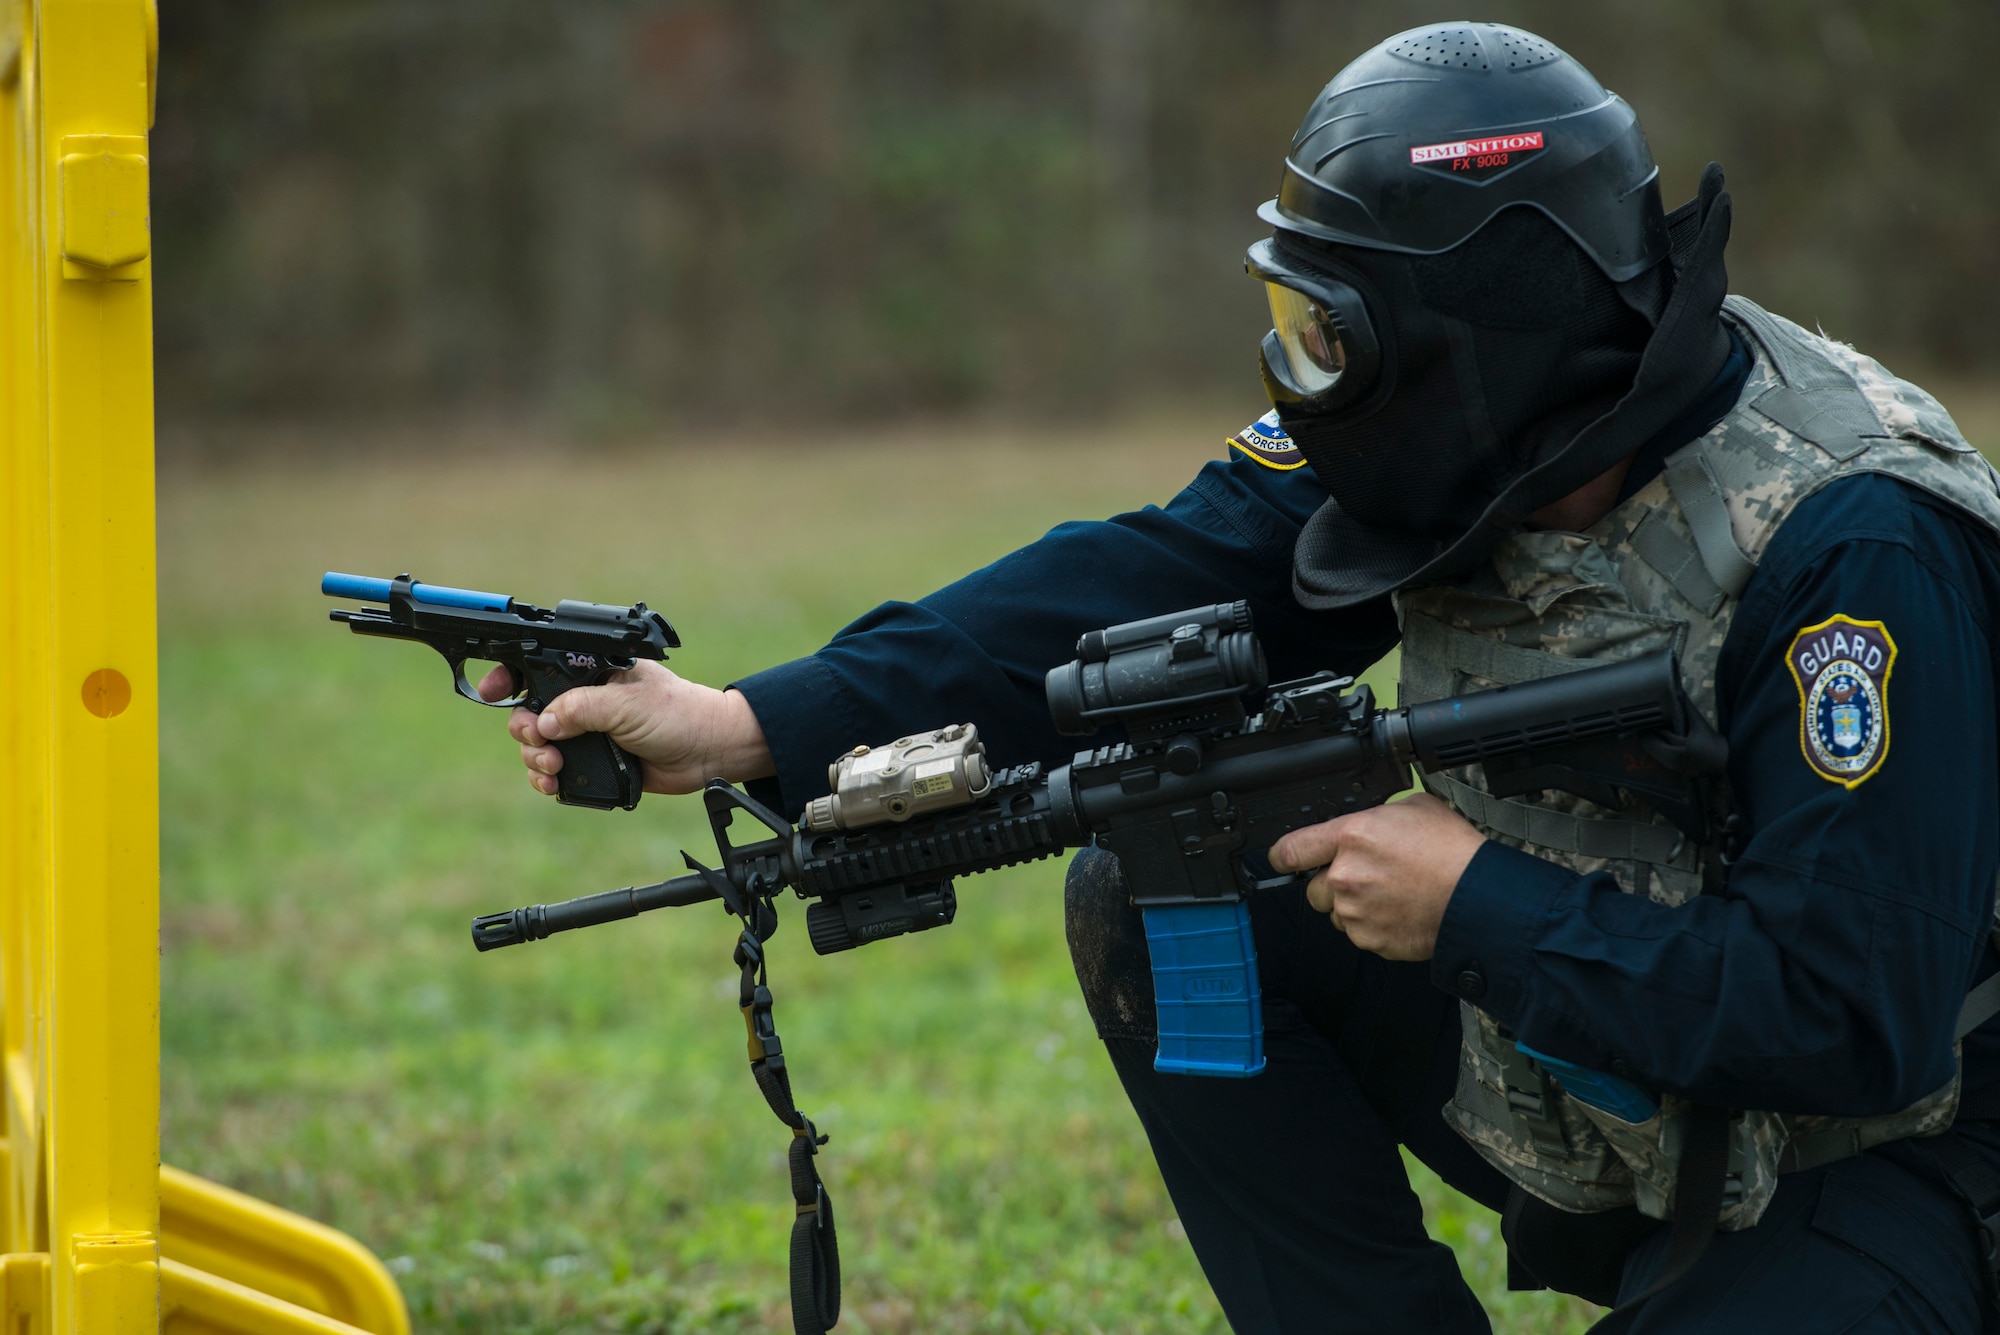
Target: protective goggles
x: 1321, y: 351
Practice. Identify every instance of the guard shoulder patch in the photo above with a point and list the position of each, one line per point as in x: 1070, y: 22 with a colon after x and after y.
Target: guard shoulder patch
x: 1842, y: 669
x: 1265, y: 441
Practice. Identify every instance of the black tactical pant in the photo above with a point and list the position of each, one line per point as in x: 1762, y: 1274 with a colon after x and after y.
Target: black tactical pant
x: 1293, y: 1194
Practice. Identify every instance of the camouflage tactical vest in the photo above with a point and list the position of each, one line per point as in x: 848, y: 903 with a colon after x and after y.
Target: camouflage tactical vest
x: 1665, y: 569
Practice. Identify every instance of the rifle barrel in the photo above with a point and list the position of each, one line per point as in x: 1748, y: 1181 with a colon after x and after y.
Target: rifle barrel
x: 540, y: 920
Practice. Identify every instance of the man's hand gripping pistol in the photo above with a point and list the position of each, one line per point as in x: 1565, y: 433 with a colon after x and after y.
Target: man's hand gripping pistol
x: 547, y: 650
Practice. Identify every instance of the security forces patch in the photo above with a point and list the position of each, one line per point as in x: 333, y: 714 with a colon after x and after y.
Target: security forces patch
x: 1842, y: 670
x: 1265, y: 441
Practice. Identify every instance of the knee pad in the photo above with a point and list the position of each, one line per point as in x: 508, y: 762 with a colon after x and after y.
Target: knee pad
x: 1107, y: 945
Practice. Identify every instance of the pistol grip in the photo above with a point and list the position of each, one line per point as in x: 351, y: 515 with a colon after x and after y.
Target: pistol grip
x: 1211, y: 1008
x: 596, y: 772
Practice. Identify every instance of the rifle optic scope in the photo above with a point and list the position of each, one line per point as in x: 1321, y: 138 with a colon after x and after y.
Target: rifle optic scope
x: 1159, y: 666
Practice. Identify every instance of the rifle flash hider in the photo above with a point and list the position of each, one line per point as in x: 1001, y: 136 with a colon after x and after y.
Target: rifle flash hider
x: 911, y: 776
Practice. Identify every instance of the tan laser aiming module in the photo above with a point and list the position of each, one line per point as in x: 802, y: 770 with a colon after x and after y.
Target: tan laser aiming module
x: 926, y: 771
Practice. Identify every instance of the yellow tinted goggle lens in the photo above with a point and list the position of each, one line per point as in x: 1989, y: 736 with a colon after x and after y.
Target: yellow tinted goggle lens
x: 1309, y: 336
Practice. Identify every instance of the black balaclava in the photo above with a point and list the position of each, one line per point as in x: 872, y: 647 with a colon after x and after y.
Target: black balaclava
x: 1513, y: 371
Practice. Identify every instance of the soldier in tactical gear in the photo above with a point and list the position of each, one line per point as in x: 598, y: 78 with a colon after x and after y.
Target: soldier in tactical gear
x: 1519, y: 427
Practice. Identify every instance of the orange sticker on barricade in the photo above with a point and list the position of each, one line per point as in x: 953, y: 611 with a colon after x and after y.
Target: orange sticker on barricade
x: 106, y: 692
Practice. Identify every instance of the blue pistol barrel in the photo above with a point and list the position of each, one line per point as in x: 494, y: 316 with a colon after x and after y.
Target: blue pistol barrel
x: 1205, y: 988
x: 336, y: 585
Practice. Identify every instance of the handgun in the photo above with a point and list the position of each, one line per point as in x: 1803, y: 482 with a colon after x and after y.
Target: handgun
x: 546, y: 650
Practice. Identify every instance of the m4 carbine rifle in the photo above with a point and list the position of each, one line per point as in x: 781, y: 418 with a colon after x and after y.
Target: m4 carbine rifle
x: 1188, y: 803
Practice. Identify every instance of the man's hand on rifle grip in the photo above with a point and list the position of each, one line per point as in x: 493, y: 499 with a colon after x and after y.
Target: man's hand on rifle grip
x: 682, y: 732
x: 1385, y: 874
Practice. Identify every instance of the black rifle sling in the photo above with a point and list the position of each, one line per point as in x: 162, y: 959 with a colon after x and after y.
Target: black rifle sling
x: 815, y: 1247
x: 1699, y: 1180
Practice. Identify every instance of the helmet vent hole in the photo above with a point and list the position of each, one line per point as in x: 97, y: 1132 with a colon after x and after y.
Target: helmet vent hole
x: 1524, y: 52
x: 1457, y: 48
x: 1477, y: 48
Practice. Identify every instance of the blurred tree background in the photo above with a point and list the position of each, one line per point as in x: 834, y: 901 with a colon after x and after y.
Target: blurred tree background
x: 623, y: 214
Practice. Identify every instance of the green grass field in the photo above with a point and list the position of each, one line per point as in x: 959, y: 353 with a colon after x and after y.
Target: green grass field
x: 565, y: 1137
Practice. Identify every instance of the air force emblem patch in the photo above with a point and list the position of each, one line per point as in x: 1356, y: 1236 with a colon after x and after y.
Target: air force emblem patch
x: 1265, y: 441
x: 1842, y: 670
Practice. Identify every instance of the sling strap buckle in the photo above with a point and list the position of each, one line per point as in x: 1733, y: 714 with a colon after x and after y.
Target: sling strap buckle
x: 1530, y: 1097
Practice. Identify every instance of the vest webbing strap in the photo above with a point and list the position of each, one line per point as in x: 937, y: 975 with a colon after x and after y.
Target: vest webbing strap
x: 1624, y: 840
x: 1815, y: 1149
x: 1818, y: 399
x: 1982, y: 1003
x: 1798, y: 365
x: 1426, y: 638
x: 1834, y: 427
x: 1691, y: 478
x: 1675, y: 557
x: 1529, y: 1097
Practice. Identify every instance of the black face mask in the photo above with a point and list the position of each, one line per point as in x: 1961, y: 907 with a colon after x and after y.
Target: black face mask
x: 1500, y: 393
x: 1494, y: 355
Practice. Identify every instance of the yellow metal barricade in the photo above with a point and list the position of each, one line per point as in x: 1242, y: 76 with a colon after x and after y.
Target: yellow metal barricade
x: 96, y: 1237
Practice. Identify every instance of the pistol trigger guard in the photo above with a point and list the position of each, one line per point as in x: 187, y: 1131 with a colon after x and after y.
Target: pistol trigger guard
x: 466, y: 689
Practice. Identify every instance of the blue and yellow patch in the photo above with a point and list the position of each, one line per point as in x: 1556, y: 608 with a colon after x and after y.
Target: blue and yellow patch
x: 1265, y: 441
x: 1842, y: 670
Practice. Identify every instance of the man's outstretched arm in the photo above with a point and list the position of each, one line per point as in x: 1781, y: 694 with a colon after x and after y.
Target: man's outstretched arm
x: 977, y: 649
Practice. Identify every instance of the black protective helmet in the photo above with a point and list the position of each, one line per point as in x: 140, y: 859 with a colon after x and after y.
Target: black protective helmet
x: 1417, y: 144
x: 1476, y: 304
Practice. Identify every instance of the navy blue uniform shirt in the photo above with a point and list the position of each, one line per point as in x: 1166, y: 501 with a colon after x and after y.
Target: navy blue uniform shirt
x: 1825, y: 980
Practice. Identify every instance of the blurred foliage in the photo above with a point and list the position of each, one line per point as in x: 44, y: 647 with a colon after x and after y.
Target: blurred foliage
x: 625, y: 211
